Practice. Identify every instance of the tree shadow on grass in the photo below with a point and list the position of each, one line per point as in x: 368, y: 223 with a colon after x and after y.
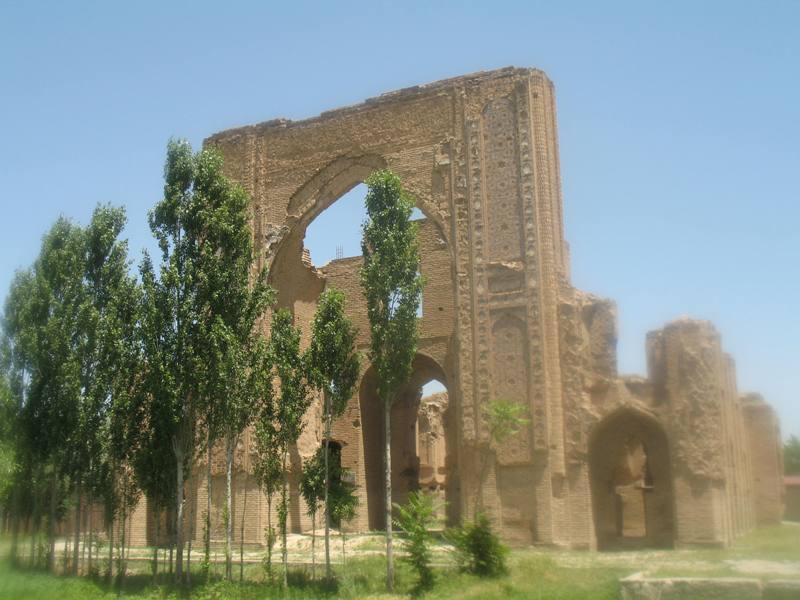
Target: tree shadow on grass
x: 323, y: 586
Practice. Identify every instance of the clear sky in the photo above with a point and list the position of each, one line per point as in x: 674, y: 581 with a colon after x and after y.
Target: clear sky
x: 679, y: 131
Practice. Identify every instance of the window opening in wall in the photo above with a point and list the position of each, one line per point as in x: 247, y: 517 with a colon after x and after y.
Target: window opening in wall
x: 336, y: 232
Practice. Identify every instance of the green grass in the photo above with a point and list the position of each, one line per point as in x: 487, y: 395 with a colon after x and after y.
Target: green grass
x: 530, y: 577
x: 533, y: 573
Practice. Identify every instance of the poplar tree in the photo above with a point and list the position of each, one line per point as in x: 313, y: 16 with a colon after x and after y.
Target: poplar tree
x: 235, y: 295
x: 312, y: 489
x: 392, y: 285
x: 173, y: 320
x: 50, y: 419
x: 267, y: 467
x: 17, y: 361
x: 109, y: 355
x: 334, y: 366
x: 292, y: 402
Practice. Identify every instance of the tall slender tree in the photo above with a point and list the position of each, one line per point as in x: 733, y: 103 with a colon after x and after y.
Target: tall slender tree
x: 267, y: 465
x: 292, y: 402
x: 172, y: 318
x: 51, y: 416
x: 334, y: 366
x: 312, y: 489
x: 235, y: 295
x: 392, y: 285
x: 17, y: 362
x: 107, y: 339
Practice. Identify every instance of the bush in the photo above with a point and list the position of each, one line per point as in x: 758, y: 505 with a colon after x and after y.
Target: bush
x: 478, y: 549
x: 416, y: 519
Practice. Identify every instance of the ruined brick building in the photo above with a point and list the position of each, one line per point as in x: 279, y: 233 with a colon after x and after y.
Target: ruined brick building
x: 676, y: 458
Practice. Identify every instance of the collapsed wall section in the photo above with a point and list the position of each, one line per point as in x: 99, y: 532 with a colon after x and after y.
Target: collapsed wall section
x: 765, y: 450
x: 713, y: 474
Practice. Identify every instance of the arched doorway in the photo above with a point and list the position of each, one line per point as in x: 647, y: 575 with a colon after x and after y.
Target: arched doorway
x: 631, y: 483
x: 422, y: 441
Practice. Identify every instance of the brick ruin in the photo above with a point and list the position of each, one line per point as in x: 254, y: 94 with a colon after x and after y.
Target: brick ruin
x: 677, y: 458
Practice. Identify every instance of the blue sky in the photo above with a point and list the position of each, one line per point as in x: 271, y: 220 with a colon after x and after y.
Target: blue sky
x: 679, y: 129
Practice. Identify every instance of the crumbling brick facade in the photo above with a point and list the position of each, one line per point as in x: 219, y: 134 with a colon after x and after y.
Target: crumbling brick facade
x: 606, y: 461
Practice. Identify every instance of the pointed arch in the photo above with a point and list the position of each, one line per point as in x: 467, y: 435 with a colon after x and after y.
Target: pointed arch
x: 631, y: 481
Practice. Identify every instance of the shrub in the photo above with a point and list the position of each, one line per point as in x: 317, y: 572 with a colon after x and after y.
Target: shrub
x: 478, y: 549
x: 416, y: 519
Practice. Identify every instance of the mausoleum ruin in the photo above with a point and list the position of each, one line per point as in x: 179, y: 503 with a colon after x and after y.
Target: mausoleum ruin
x: 672, y: 459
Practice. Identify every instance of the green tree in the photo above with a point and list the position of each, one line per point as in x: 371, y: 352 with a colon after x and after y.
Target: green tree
x: 267, y: 468
x: 416, y: 518
x: 50, y: 418
x: 791, y: 456
x: 342, y: 499
x: 111, y: 360
x: 292, y: 402
x: 503, y: 419
x: 173, y: 318
x: 17, y: 351
x: 392, y: 285
x: 103, y: 260
x: 478, y: 549
x: 312, y: 489
x: 334, y: 366
x: 234, y: 303
x: 8, y: 416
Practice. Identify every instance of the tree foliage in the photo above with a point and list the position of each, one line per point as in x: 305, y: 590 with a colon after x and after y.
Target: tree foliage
x: 478, y: 549
x: 504, y: 419
x: 416, y: 518
x: 791, y: 456
x: 392, y: 286
x: 292, y: 402
x: 334, y: 366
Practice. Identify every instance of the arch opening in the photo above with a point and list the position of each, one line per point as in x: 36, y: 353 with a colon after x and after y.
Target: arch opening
x: 422, y: 442
x: 336, y: 232
x: 631, y: 484
x: 324, y: 227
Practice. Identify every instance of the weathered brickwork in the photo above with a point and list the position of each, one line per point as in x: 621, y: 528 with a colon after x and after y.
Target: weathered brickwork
x: 606, y: 461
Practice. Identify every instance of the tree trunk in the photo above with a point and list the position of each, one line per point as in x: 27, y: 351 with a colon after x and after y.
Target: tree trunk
x: 229, y: 447
x: 207, y: 540
x: 192, y: 519
x: 269, y: 535
x: 155, y: 546
x: 66, y: 555
x: 51, y: 525
x: 327, y: 487
x: 126, y: 545
x: 284, y: 518
x: 111, y: 551
x: 15, y: 522
x: 121, y: 567
x: 387, y: 473
x: 314, y: 544
x: 91, y: 534
x: 241, y: 533
x: 77, y: 542
x: 179, y: 516
x: 33, y: 529
x: 341, y: 530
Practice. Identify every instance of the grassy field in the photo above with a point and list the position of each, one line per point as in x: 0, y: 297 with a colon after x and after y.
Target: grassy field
x: 533, y: 573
